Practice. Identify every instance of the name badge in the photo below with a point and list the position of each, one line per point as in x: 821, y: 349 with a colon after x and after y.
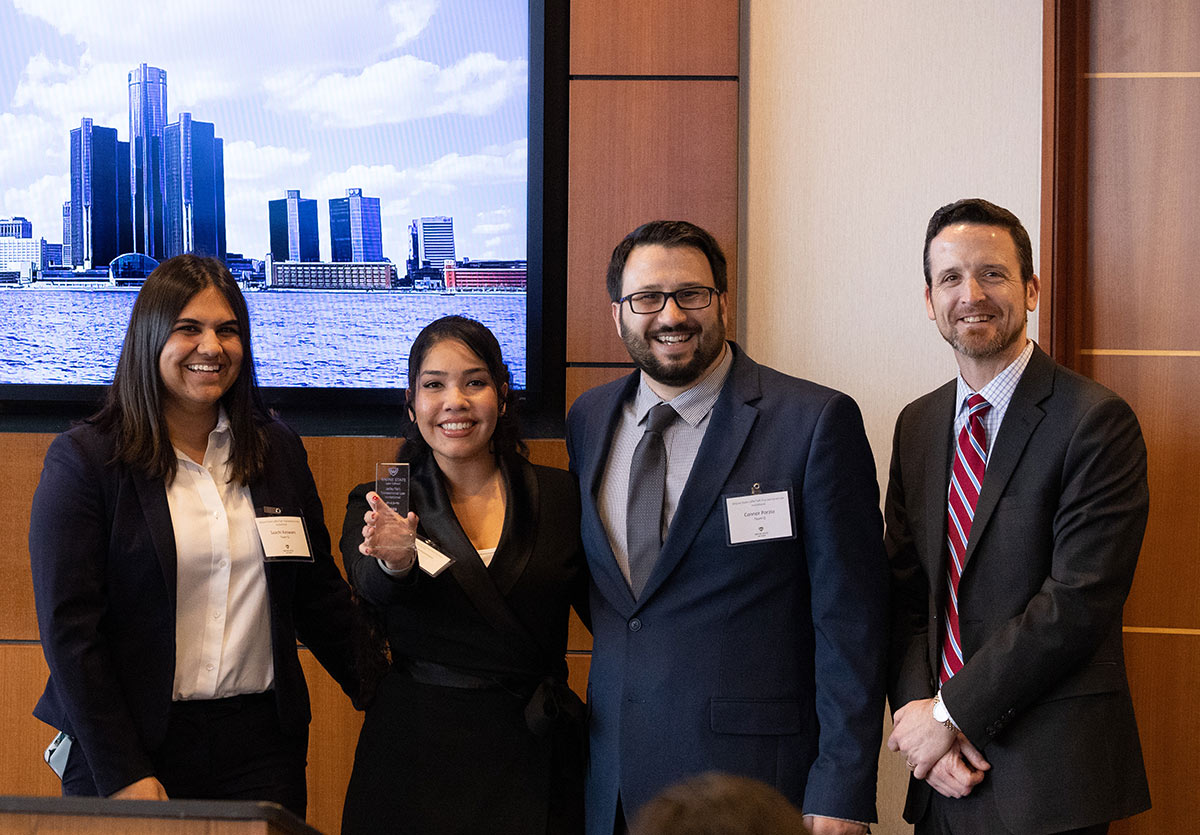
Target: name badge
x: 432, y: 561
x: 759, y: 517
x: 284, y: 538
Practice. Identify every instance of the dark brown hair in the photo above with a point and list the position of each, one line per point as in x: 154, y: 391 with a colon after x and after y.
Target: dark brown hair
x: 980, y: 212
x: 133, y: 406
x: 668, y: 233
x: 475, y: 336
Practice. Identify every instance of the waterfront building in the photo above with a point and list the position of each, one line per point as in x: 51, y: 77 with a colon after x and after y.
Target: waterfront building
x: 194, y: 164
x: 294, y: 233
x: 15, y: 227
x: 352, y: 275
x: 66, y: 233
x: 147, y: 120
x: 94, y: 213
x: 486, y: 276
x: 355, y: 230
x: 22, y: 253
x: 52, y: 255
x: 432, y: 241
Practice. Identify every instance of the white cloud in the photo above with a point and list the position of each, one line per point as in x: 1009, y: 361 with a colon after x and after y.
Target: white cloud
x: 64, y: 94
x: 410, y: 18
x: 402, y: 89
x: 40, y: 202
x: 246, y: 161
x: 32, y: 147
x: 492, y: 228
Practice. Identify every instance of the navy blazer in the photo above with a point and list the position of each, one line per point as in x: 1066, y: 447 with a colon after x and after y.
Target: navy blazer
x: 1053, y: 547
x: 764, y: 659
x: 103, y: 558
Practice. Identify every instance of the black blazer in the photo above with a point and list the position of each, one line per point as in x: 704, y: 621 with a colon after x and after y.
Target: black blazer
x: 103, y: 558
x: 1050, y: 560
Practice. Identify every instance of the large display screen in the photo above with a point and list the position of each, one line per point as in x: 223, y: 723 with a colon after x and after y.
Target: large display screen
x: 362, y: 168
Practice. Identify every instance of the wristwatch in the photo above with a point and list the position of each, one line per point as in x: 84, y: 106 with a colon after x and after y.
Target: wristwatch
x: 940, y: 714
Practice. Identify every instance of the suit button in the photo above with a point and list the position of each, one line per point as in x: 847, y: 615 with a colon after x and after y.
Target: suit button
x: 635, y: 625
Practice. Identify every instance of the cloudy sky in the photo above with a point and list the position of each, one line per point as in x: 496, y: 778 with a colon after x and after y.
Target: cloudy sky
x: 422, y: 103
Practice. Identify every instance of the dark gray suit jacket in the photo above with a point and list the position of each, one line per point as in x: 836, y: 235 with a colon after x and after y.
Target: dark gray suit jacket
x: 1053, y: 547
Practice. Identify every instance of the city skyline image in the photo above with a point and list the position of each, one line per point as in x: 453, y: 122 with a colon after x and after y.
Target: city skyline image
x: 419, y: 104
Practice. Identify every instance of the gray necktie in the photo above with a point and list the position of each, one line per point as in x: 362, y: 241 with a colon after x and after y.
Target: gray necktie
x: 647, y: 491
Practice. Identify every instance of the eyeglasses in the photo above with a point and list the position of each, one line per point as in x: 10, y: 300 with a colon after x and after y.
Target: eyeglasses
x: 652, y: 301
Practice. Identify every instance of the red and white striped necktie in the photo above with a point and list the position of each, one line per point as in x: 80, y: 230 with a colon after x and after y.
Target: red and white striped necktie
x: 966, y: 480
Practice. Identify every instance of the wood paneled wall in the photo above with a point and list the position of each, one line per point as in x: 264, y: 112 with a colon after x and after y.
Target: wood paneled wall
x: 1125, y: 79
x: 653, y: 134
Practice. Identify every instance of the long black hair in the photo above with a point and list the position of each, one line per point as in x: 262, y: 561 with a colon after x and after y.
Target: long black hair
x: 133, y: 406
x: 476, y: 338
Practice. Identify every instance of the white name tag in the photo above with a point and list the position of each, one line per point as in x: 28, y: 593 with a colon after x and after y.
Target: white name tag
x: 284, y: 538
x: 759, y: 517
x: 432, y: 561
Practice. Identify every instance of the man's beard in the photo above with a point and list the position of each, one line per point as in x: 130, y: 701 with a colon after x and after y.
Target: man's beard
x: 709, y: 342
x: 995, y: 346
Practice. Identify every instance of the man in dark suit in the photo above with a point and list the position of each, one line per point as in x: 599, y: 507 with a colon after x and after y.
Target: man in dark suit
x: 745, y: 632
x: 1015, y: 512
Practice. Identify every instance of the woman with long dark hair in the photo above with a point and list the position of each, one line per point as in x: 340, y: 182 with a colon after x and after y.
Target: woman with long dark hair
x: 179, y: 550
x: 473, y: 728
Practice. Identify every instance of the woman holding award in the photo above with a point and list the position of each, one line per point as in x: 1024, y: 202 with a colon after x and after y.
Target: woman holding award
x: 178, y: 551
x: 473, y: 728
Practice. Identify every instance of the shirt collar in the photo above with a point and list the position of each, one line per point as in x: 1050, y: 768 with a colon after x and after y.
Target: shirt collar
x: 998, y: 391
x: 693, y: 404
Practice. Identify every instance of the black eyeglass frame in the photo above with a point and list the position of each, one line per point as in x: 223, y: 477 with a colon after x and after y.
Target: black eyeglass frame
x: 674, y: 296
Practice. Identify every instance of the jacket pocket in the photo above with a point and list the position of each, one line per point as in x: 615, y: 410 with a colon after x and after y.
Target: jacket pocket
x: 755, y: 716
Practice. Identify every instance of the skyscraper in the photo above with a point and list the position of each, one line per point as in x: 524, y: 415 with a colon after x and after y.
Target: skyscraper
x: 433, y: 241
x: 66, y: 235
x: 294, y: 233
x: 95, y: 239
x: 355, y: 231
x: 147, y: 119
x: 194, y: 215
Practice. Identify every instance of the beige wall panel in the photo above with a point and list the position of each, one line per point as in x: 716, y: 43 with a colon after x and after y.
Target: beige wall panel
x: 1164, y: 675
x: 20, y: 469
x: 1166, y: 588
x: 854, y: 130
x: 639, y: 151
x: 634, y: 37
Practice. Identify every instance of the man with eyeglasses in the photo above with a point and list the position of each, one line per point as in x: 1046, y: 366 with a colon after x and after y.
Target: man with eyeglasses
x: 739, y: 584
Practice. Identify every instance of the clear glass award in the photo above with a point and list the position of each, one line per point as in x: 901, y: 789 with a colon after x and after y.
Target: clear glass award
x: 391, y: 483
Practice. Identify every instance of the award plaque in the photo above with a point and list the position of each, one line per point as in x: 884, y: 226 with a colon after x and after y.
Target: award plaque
x: 391, y: 483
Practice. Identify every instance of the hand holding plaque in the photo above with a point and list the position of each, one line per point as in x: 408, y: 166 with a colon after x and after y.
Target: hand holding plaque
x: 388, y: 536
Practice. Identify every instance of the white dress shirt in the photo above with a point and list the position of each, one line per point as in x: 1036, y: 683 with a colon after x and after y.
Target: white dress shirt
x: 222, y: 615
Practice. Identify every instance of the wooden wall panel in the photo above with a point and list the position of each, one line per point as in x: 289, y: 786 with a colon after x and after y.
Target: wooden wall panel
x: 23, y: 676
x: 20, y: 469
x: 642, y: 150
x: 332, y: 737
x: 1162, y: 36
x: 634, y: 37
x: 1164, y: 675
x: 580, y: 380
x: 1166, y: 589
x: 1143, y: 183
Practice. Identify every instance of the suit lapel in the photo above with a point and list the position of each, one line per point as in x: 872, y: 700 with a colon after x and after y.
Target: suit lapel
x: 152, y: 495
x: 733, y: 416
x: 937, y: 486
x: 1022, y: 417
